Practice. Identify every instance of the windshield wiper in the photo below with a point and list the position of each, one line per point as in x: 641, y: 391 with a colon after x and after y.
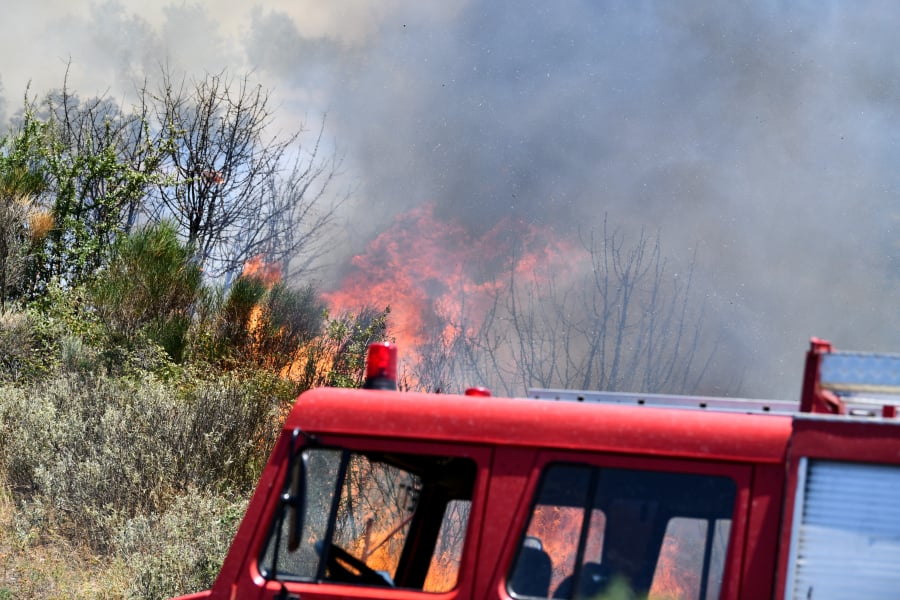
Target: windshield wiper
x: 292, y: 500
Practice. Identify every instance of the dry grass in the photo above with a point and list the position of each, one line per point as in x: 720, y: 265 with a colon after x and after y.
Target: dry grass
x: 40, y: 223
x: 157, y: 557
x: 33, y: 566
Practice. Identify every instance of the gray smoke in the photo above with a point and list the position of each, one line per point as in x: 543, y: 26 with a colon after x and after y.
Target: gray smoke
x: 762, y: 135
x: 3, y: 125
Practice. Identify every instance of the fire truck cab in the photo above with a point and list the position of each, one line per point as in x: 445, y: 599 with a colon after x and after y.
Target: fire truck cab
x: 376, y: 493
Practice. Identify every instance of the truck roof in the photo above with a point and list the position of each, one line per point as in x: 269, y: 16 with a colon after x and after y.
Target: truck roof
x: 537, y: 423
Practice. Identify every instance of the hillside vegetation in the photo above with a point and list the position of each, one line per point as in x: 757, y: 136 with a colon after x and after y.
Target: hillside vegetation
x: 131, y: 435
x: 145, y: 367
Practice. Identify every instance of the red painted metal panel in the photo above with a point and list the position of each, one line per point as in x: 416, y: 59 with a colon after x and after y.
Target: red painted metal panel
x: 545, y: 424
x: 513, y: 481
x: 762, y: 532
x: 837, y: 438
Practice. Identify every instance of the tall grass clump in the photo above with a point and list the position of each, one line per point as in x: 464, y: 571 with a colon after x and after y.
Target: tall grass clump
x: 149, y: 287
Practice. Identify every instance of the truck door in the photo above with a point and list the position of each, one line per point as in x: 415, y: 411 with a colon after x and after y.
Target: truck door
x: 628, y: 527
x: 376, y: 519
x: 841, y: 534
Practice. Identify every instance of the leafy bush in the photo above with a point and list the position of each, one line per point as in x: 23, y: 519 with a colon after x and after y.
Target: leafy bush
x: 149, y: 287
x: 87, y: 455
x: 182, y: 550
x: 204, y: 340
x: 35, y: 344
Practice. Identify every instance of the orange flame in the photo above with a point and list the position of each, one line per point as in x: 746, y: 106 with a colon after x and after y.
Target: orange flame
x: 268, y: 273
x: 438, y: 278
x: 677, y: 574
x: 678, y: 568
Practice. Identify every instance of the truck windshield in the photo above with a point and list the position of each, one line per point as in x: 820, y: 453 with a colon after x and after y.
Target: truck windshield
x: 622, y: 533
x: 365, y: 512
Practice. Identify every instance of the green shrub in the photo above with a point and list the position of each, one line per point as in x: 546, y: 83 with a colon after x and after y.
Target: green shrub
x: 182, y: 550
x: 58, y: 333
x: 91, y: 452
x: 75, y: 356
x: 204, y: 337
x: 149, y: 287
x: 140, y: 358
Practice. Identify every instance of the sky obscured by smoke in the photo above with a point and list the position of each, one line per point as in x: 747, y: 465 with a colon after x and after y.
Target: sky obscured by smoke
x: 762, y: 135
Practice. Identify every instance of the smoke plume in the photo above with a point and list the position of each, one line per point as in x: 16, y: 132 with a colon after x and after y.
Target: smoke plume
x: 759, y: 137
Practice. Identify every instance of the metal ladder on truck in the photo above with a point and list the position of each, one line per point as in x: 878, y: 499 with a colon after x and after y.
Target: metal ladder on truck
x: 860, y: 384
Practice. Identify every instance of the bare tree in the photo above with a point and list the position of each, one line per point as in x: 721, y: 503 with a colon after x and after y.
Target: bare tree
x: 235, y: 191
x: 619, y: 321
x: 641, y: 329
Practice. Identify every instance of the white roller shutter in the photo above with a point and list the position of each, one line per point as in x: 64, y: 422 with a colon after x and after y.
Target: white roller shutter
x: 846, y: 539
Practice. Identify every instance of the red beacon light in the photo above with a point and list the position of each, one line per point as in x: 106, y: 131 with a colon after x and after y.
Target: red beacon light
x: 478, y: 391
x: 381, y: 367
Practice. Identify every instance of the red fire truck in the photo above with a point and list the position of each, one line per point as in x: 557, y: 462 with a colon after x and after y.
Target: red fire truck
x: 375, y: 493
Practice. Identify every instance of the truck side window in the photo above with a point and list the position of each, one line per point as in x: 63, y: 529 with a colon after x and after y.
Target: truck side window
x: 444, y: 567
x: 624, y: 533
x: 377, y: 519
x: 680, y: 565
